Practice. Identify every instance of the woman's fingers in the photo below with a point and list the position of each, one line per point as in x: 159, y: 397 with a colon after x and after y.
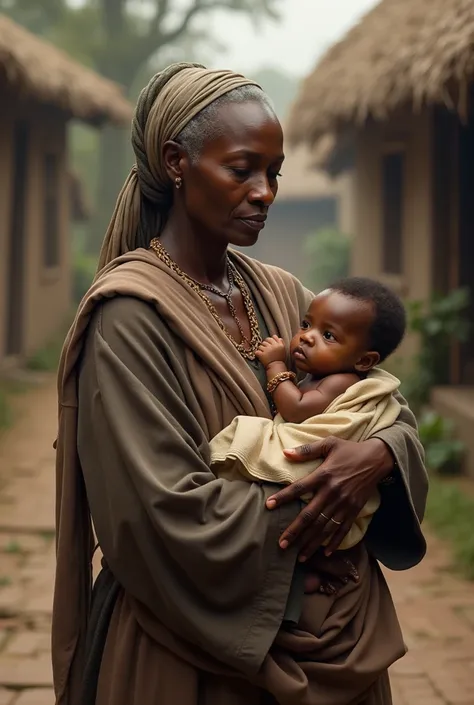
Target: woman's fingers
x: 308, y: 484
x: 311, y: 519
x: 340, y: 534
x: 305, y: 519
x: 309, y: 548
x: 311, y: 451
x: 315, y: 540
x: 291, y: 492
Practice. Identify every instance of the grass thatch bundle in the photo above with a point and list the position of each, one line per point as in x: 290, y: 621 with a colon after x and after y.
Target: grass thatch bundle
x: 402, y: 52
x: 47, y: 74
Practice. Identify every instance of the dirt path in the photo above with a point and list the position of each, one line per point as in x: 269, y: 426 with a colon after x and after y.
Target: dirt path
x: 436, y: 608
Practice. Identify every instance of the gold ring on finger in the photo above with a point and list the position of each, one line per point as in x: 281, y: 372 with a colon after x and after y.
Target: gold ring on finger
x: 325, y: 517
x: 335, y: 521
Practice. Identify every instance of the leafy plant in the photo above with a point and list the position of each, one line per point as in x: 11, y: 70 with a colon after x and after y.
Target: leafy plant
x: 5, y: 411
x: 437, y: 324
x: 46, y: 359
x: 84, y: 268
x: 444, y: 453
x: 449, y: 511
x: 328, y: 251
x: 8, y: 389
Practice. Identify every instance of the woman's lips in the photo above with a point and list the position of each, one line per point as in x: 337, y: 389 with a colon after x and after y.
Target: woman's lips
x: 253, y: 224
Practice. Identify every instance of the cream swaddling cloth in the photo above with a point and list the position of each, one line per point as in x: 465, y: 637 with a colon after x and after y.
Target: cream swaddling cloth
x: 251, y: 447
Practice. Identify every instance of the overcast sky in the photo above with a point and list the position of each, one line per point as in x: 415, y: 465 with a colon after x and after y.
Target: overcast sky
x: 306, y: 29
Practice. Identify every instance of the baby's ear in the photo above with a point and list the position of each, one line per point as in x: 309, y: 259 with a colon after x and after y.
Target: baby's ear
x: 367, y: 361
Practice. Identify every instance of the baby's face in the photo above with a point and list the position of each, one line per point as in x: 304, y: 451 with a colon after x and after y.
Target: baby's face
x: 334, y: 335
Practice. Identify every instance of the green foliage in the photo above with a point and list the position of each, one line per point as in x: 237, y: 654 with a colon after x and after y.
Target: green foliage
x: 79, y: 32
x: 444, y: 453
x: 46, y: 359
x: 84, y: 145
x: 438, y: 324
x: 328, y: 252
x: 8, y: 389
x: 449, y: 511
x: 84, y: 268
x: 38, y: 17
x: 5, y: 410
x: 118, y: 37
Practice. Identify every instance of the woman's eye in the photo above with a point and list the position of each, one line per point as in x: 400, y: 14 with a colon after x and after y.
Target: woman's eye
x: 240, y: 172
x: 327, y: 335
x: 274, y: 177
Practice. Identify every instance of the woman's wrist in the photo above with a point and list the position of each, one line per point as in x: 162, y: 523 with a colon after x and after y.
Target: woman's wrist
x: 385, y: 461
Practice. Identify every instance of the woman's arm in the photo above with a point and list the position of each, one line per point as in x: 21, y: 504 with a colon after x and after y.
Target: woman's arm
x: 394, y: 535
x: 200, y: 552
x: 350, y: 474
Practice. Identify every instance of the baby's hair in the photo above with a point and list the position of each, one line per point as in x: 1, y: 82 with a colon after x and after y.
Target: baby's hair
x: 389, y: 325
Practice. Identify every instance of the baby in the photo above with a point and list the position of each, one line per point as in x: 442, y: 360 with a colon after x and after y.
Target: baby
x: 347, y: 331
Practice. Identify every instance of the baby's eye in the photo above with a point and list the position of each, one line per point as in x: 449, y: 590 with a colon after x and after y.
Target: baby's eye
x: 304, y: 325
x: 327, y: 335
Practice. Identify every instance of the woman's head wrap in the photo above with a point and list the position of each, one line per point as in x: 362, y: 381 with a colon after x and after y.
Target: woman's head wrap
x: 165, y: 106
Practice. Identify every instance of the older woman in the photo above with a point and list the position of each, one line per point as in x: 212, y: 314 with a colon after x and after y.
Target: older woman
x: 194, y: 602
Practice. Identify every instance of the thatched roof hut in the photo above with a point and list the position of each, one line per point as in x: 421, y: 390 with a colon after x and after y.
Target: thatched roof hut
x: 402, y: 52
x: 47, y: 74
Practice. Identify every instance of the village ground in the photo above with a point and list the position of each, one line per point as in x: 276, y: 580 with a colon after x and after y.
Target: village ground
x: 436, y: 608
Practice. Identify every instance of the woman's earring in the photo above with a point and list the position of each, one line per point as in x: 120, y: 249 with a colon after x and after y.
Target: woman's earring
x: 178, y: 182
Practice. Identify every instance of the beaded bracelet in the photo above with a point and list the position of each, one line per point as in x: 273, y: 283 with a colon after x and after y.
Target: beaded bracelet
x: 278, y: 379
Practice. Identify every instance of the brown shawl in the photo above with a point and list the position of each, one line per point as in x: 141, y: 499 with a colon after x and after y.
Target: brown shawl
x: 339, y: 651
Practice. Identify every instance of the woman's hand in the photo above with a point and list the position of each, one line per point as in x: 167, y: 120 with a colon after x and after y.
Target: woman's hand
x: 341, y: 485
x: 329, y: 574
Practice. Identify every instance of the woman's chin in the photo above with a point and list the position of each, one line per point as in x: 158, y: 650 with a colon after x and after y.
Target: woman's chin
x: 238, y: 240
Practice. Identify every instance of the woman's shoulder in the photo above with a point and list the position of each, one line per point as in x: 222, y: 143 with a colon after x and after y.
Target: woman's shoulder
x: 127, y: 306
x: 128, y: 318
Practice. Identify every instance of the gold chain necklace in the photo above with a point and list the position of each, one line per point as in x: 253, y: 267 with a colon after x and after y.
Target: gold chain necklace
x: 247, y: 348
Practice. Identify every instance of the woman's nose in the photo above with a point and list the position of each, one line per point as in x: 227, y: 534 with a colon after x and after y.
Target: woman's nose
x: 262, y: 192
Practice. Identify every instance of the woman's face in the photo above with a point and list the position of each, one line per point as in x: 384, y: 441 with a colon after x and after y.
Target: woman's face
x: 227, y: 192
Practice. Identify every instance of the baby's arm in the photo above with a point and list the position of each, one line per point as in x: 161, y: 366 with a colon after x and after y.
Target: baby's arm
x: 294, y: 405
x: 297, y: 406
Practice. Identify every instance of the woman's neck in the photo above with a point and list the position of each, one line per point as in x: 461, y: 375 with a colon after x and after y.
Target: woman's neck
x: 194, y: 254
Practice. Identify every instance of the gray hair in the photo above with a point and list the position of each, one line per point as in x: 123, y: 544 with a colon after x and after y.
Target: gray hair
x: 205, y: 124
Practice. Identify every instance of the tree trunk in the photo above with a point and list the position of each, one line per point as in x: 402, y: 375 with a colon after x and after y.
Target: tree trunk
x: 114, y: 155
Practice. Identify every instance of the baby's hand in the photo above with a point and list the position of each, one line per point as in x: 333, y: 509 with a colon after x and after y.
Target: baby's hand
x: 271, y: 350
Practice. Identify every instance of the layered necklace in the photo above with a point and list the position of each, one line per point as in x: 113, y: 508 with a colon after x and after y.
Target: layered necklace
x: 247, y: 348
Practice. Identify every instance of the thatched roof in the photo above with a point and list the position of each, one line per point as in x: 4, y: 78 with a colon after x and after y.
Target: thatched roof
x: 403, y: 51
x: 42, y: 71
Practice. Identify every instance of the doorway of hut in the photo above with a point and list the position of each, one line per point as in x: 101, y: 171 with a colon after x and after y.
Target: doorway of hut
x: 16, y: 256
x: 453, y: 221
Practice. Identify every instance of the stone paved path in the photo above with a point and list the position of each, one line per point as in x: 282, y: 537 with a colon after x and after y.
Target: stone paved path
x: 436, y: 608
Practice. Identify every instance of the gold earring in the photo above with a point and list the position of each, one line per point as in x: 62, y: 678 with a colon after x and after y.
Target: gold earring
x: 178, y: 182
